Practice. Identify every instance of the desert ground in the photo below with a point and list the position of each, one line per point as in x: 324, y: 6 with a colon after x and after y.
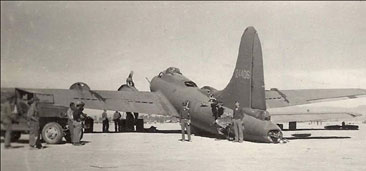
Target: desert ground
x: 323, y: 150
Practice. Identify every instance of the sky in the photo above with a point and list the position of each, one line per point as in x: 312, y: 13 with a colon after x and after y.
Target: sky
x: 305, y: 44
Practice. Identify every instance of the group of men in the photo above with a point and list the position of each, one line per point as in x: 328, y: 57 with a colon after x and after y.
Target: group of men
x: 129, y: 117
x: 75, y: 117
x: 12, y: 108
x: 218, y: 110
x: 116, y: 119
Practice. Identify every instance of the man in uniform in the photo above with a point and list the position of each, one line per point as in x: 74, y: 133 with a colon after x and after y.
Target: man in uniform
x: 116, y: 117
x: 238, y: 117
x: 33, y: 123
x: 185, y: 121
x: 130, y: 121
x: 70, y: 113
x: 8, y: 116
x: 77, y: 130
x: 129, y: 80
x: 22, y: 105
x: 105, y: 121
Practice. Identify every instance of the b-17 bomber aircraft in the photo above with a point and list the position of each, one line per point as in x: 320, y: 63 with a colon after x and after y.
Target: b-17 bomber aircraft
x: 170, y: 89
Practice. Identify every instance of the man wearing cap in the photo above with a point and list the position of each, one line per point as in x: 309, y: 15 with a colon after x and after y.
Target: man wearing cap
x: 22, y: 106
x: 33, y: 123
x: 116, y: 117
x: 9, y: 114
x: 238, y: 117
x: 185, y: 121
x: 129, y: 80
x: 70, y: 113
x: 77, y: 124
x: 105, y: 121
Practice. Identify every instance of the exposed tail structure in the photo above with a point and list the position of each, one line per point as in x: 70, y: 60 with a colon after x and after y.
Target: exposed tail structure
x: 247, y: 83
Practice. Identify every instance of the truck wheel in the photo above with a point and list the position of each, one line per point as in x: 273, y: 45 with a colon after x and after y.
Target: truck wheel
x: 52, y: 133
x: 15, y: 136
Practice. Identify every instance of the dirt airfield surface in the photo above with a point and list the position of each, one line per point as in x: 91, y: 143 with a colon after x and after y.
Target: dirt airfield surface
x: 323, y: 150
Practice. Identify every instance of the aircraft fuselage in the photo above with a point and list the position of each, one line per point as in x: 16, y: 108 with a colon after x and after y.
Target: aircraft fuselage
x: 178, y: 89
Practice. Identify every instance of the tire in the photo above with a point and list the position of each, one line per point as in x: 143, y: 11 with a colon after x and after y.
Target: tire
x: 15, y: 136
x: 52, y: 133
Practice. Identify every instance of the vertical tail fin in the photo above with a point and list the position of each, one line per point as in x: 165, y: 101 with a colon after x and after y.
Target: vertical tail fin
x: 247, y: 83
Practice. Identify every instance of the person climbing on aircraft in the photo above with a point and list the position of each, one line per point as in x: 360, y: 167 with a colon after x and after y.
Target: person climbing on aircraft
x: 220, y: 109
x: 185, y: 121
x: 129, y: 80
x: 211, y: 98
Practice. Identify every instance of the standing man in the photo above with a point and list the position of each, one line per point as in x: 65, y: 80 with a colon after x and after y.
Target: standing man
x: 130, y: 121
x: 105, y: 121
x: 238, y: 117
x: 33, y: 123
x: 8, y: 116
x: 70, y: 113
x: 129, y: 80
x: 77, y: 130
x: 185, y: 121
x: 116, y: 119
x: 122, y: 126
x: 22, y: 106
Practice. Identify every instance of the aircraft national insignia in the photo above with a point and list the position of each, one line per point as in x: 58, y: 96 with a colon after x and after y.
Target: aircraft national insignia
x: 245, y: 74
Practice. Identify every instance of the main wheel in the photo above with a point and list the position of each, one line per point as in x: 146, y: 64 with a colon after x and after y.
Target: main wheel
x: 52, y: 133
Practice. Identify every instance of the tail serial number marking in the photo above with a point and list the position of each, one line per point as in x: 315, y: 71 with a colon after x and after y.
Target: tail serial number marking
x: 242, y: 73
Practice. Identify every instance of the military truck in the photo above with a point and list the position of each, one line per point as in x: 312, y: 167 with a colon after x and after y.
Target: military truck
x: 53, y: 121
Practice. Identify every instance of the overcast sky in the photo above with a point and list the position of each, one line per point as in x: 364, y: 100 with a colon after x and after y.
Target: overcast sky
x: 305, y: 44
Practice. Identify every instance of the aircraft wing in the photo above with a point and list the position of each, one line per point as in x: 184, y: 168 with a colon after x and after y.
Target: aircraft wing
x: 126, y: 101
x: 282, y: 98
x: 307, y: 116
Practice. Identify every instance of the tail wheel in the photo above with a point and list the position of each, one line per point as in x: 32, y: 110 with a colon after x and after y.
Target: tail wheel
x: 52, y: 133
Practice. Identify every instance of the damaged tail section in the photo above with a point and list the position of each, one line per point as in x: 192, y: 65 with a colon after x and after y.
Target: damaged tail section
x: 247, y: 83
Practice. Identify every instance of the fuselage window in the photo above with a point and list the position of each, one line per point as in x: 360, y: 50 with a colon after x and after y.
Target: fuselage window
x: 190, y: 84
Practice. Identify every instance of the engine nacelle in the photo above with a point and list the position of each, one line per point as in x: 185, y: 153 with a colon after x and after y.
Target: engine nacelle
x: 80, y: 86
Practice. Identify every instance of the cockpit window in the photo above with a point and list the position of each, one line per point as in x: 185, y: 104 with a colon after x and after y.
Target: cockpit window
x: 190, y: 84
